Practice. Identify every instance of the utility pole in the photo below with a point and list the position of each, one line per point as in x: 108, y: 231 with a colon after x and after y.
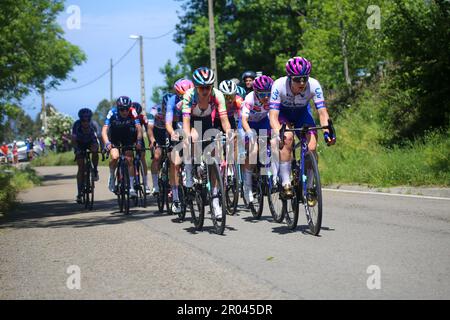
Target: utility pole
x: 111, y: 81
x: 212, y: 40
x: 44, y: 112
x: 141, y: 47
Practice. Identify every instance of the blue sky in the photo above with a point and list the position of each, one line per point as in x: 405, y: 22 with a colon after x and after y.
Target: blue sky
x: 104, y: 34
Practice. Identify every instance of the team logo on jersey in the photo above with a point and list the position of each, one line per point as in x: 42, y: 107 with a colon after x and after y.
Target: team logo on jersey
x: 318, y: 93
x: 275, y: 94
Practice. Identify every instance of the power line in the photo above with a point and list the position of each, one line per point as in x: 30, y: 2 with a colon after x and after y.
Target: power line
x: 115, y: 64
x: 104, y: 73
x: 163, y: 35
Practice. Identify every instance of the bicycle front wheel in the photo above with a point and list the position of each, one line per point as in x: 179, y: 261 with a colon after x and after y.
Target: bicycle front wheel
x: 313, y: 194
x: 126, y: 190
x: 219, y: 219
x: 196, y: 207
x: 182, y: 197
x: 231, y: 189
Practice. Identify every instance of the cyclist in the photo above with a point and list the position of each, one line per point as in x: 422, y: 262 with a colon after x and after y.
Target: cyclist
x: 123, y: 126
x: 247, y: 78
x: 241, y: 92
x: 233, y: 103
x: 174, y: 122
x: 144, y: 124
x: 157, y: 137
x: 84, y: 136
x: 198, y: 105
x: 290, y: 104
x: 255, y: 119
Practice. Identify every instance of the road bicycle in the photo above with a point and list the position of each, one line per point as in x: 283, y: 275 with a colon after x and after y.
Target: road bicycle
x: 88, y: 183
x: 122, y: 188
x: 305, y: 181
x: 202, y: 195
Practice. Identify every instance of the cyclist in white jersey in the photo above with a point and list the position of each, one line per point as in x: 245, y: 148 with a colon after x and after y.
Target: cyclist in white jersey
x: 255, y: 122
x: 290, y: 104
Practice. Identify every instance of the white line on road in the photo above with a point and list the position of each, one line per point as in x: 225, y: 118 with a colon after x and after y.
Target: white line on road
x: 387, y: 194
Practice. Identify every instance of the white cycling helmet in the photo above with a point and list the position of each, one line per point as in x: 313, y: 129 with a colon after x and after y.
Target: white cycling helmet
x: 228, y: 87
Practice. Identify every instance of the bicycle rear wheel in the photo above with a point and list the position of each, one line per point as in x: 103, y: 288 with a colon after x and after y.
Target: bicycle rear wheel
x: 142, y: 187
x: 91, y: 189
x: 290, y: 212
x: 258, y: 199
x: 219, y: 223
x: 119, y: 186
x: 231, y: 189
x: 196, y: 207
x: 313, y: 194
x: 275, y: 201
x: 161, y: 197
x: 126, y: 190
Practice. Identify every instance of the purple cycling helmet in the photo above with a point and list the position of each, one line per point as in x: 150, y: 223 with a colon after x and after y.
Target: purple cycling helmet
x: 298, y: 66
x: 262, y: 83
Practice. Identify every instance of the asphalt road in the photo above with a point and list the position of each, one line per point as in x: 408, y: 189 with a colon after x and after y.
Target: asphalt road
x: 372, y: 246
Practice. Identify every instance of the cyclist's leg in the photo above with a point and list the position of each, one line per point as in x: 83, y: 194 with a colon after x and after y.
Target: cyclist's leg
x: 193, y: 150
x: 286, y: 153
x: 114, y: 155
x: 80, y: 172
x: 94, y: 150
x: 129, y: 158
x: 157, y: 155
x: 145, y: 169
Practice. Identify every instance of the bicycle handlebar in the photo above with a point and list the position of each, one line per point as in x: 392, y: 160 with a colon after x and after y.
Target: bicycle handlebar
x: 304, y: 130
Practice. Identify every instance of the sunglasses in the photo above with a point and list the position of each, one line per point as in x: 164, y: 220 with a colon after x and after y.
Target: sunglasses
x: 123, y: 109
x: 85, y: 120
x: 204, y: 87
x: 262, y: 95
x: 299, y: 79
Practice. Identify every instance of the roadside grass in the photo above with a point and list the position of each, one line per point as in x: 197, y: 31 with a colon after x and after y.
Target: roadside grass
x: 360, y: 158
x: 13, y: 180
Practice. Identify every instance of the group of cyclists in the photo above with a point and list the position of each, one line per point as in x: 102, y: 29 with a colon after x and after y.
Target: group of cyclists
x: 260, y: 108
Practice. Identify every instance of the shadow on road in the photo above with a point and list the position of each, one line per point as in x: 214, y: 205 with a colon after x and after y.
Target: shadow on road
x: 304, y: 229
x: 58, y: 176
x: 61, y: 214
x: 253, y: 220
x: 209, y: 229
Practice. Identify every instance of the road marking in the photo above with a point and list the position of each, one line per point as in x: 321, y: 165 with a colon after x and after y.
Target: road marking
x: 387, y: 194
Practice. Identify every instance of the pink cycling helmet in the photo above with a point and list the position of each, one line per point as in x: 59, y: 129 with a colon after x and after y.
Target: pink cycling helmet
x: 262, y: 83
x: 298, y: 66
x: 182, y: 85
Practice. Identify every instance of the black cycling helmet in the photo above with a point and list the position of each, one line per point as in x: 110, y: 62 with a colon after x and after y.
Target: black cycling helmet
x: 85, y: 113
x: 248, y: 74
x: 137, y: 106
x: 123, y: 102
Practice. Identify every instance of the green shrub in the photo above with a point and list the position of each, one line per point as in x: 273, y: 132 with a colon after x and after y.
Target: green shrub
x: 12, y: 181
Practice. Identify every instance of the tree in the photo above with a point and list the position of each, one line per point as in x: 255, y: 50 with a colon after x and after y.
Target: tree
x: 418, y: 37
x: 101, y: 111
x: 33, y: 54
x: 171, y: 74
x: 248, y: 35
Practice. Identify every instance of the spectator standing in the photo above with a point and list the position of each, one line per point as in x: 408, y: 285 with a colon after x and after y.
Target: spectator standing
x: 15, y: 152
x: 30, y: 147
x: 4, y: 148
